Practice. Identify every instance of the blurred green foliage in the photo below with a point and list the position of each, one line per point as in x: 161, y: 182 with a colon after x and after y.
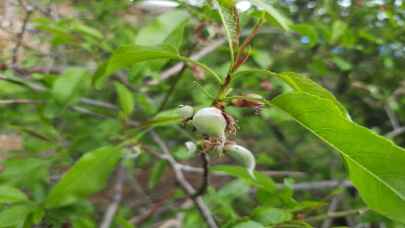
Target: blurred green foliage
x: 75, y: 102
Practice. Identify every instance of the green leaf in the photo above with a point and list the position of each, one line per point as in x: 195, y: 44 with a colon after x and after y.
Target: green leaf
x: 10, y: 194
x: 14, y: 216
x: 261, y: 180
x: 274, y: 13
x: 175, y: 39
x: 308, y: 31
x: 376, y: 165
x: 271, y: 216
x: 24, y: 172
x: 299, y: 82
x: 248, y: 224
x: 156, y: 173
x: 230, y: 20
x: 164, y: 118
x: 125, y: 99
x: 338, y: 29
x: 341, y: 63
x: 128, y: 55
x: 160, y: 29
x: 262, y: 58
x: 85, y: 177
x: 67, y: 87
x: 86, y: 30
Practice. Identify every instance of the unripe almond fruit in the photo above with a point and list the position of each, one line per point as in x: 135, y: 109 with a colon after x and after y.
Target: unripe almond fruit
x: 241, y: 155
x: 210, y: 121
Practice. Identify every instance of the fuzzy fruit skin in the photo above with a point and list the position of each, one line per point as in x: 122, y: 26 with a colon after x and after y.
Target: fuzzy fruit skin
x: 185, y: 111
x: 210, y: 121
x: 241, y: 155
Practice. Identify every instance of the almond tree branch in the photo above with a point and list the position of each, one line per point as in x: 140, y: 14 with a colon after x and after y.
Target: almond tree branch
x: 18, y: 101
x: 175, y: 69
x: 333, y: 206
x: 391, y: 116
x: 184, y: 184
x: 204, y: 185
x: 318, y: 185
x: 116, y: 200
x: 336, y: 214
x: 396, y: 132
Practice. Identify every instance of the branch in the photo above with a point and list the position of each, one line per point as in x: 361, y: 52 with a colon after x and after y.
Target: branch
x: 395, y: 132
x: 155, y: 207
x: 204, y: 185
x: 174, y: 70
x: 172, y: 89
x: 19, y: 101
x: 333, y: 206
x: 184, y: 184
x: 20, y: 35
x: 336, y: 214
x: 29, y: 71
x: 391, y: 116
x: 320, y: 185
x: 113, y: 207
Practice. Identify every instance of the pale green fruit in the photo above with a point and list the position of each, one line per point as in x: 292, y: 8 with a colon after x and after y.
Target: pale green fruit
x: 185, y: 111
x: 210, y: 121
x: 243, y: 156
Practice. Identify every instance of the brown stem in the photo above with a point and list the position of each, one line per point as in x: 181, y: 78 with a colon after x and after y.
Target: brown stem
x: 204, y: 184
x: 184, y: 184
x: 239, y: 59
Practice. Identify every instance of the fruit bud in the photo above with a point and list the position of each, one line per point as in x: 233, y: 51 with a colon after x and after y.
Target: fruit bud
x: 249, y: 101
x: 243, y: 156
x: 210, y: 121
x: 191, y: 147
x: 185, y: 111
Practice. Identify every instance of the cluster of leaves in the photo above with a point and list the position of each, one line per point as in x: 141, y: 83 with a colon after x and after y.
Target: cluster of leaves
x: 81, y: 123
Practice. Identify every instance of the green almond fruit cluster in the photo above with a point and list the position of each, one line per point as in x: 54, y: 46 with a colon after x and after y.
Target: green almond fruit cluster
x: 210, y: 121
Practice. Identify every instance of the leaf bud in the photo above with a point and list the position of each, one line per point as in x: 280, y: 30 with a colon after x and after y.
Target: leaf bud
x: 185, y: 111
x: 191, y: 147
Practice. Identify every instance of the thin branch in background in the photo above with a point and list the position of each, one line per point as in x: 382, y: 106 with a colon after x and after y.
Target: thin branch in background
x: 184, y: 184
x: 333, y: 206
x: 86, y: 111
x: 205, y: 181
x: 116, y: 200
x: 18, y: 101
x: 337, y: 214
x: 98, y: 103
x: 321, y: 185
x: 175, y: 69
x: 396, y: 132
x: 20, y: 35
x: 397, y: 128
x: 391, y: 116
x: 172, y: 89
x: 29, y: 71
x: 141, y: 219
